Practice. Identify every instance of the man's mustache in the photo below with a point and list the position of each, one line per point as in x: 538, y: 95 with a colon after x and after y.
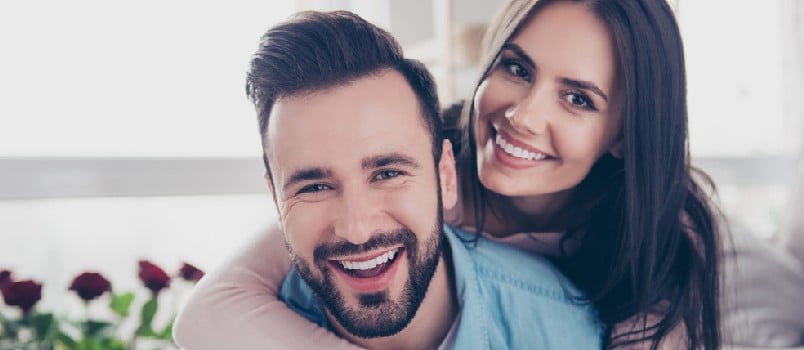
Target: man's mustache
x: 403, y: 236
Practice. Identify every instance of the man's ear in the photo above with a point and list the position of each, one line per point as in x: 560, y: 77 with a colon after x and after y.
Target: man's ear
x: 268, y: 183
x: 616, y: 150
x: 448, y: 176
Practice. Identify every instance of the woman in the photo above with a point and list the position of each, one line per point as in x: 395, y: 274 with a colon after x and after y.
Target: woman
x: 576, y: 135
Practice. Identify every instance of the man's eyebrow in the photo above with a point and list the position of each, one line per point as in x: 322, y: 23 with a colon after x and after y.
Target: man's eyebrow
x: 586, y: 85
x: 394, y: 158
x: 579, y: 84
x: 307, y: 174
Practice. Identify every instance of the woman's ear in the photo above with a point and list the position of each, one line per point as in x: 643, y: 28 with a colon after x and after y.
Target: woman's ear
x: 617, y: 149
x: 448, y: 176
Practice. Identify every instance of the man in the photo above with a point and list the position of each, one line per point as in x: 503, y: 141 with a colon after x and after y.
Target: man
x: 359, y: 174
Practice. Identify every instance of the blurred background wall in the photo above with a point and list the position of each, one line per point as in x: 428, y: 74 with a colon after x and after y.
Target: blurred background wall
x: 125, y: 132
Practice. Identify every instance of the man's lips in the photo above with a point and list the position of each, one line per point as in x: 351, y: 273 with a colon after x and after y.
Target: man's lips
x: 371, y: 273
x: 369, y: 261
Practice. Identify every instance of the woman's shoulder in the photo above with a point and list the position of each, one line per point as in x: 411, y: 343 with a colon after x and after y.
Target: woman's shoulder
x: 536, y: 243
x: 638, y: 326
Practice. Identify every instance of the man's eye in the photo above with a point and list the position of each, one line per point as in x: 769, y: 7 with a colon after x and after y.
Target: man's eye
x: 314, y: 188
x: 387, y: 174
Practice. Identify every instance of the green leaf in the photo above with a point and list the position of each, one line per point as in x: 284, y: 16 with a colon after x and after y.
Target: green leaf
x: 10, y: 328
x: 97, y: 329
x: 3, y: 322
x: 121, y: 303
x: 66, y: 340
x: 114, y: 344
x: 147, y: 317
x: 89, y: 344
x: 43, y: 326
x: 167, y: 333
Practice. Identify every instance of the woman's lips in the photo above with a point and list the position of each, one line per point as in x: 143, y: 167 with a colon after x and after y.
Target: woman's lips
x: 517, y: 143
x: 514, y: 154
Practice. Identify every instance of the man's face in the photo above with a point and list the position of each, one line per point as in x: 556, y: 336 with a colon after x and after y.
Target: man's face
x: 358, y: 197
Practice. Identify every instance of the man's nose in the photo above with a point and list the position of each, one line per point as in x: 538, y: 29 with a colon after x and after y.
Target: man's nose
x: 357, y: 216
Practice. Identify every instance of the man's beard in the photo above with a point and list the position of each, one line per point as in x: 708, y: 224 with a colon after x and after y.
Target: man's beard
x: 377, y: 315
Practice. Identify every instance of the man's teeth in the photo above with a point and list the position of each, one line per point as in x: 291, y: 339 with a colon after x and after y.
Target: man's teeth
x: 517, y: 151
x: 369, y: 264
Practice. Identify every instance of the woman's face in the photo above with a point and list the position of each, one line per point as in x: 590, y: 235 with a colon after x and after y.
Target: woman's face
x: 550, y: 107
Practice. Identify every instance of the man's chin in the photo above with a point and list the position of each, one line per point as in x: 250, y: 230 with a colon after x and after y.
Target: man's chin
x: 373, y: 300
x: 372, y: 305
x: 372, y: 315
x: 364, y: 302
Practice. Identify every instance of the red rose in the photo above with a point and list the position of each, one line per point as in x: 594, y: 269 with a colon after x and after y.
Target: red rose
x: 24, y: 294
x: 5, y: 277
x: 190, y: 273
x: 153, y: 276
x: 90, y: 285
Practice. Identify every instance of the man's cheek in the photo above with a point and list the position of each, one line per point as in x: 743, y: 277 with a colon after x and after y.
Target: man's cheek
x: 414, y: 207
x: 289, y: 212
x: 302, y: 231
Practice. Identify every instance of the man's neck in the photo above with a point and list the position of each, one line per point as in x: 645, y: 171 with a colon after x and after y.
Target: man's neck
x: 432, y: 322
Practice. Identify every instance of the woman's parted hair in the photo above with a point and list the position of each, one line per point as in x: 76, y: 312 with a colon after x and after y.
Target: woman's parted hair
x: 315, y: 51
x: 648, y: 231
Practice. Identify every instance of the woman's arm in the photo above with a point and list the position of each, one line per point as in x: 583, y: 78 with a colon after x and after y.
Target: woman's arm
x: 236, y: 306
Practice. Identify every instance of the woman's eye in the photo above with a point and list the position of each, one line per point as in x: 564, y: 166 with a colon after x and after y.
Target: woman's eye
x: 516, y: 69
x: 579, y: 100
x: 387, y: 174
x: 314, y: 188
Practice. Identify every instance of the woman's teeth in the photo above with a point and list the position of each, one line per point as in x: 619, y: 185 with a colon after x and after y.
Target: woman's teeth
x: 369, y: 264
x: 517, y: 151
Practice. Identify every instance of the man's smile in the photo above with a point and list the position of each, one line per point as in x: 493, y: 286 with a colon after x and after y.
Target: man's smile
x: 367, y: 274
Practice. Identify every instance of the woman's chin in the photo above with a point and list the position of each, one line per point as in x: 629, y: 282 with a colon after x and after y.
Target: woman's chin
x: 503, y: 185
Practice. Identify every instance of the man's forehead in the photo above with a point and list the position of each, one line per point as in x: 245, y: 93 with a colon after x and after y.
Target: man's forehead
x: 377, y: 114
x: 386, y: 96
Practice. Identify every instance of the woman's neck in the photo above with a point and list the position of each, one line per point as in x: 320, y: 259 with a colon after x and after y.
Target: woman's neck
x: 509, y: 215
x: 544, y: 206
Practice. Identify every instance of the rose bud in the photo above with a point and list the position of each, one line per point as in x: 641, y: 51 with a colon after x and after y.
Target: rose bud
x: 5, y: 277
x: 23, y: 294
x: 90, y: 285
x: 190, y: 273
x: 153, y: 276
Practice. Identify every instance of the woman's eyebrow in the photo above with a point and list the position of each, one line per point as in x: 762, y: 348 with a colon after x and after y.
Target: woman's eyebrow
x: 516, y: 49
x: 580, y: 84
x: 586, y: 85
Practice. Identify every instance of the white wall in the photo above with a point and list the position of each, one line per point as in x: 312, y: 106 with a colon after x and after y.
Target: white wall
x: 165, y: 80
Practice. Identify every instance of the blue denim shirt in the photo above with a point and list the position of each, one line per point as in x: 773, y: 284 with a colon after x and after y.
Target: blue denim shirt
x: 508, y: 298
